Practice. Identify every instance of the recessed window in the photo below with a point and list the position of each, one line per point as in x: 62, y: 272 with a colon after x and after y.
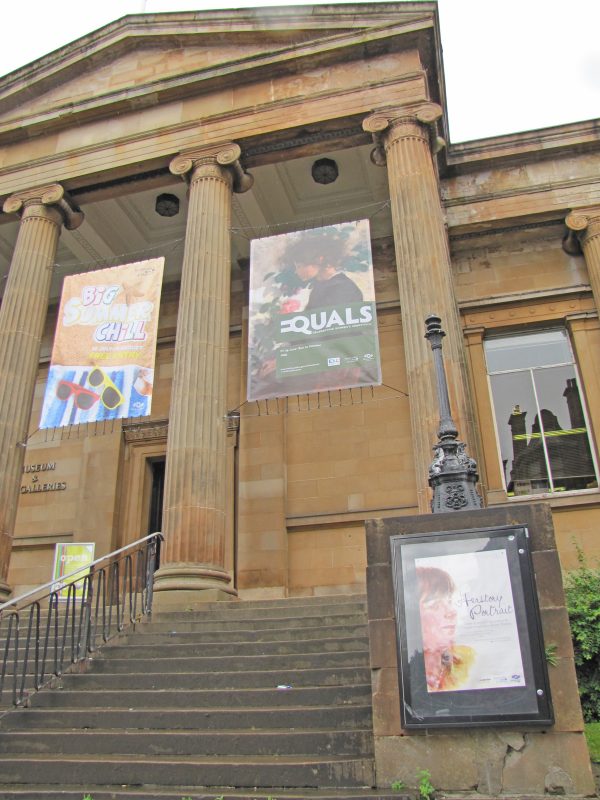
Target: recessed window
x: 540, y: 418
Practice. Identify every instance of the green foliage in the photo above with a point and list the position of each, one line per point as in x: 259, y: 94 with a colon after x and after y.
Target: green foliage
x: 550, y: 651
x: 87, y: 797
x: 582, y: 591
x: 397, y: 786
x: 592, y: 734
x: 425, y: 787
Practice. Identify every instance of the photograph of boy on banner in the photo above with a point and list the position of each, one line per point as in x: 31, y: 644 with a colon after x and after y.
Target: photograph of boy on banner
x: 313, y: 323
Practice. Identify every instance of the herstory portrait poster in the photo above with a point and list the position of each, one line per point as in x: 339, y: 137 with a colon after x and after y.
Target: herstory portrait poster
x: 102, y: 364
x: 312, y: 317
x: 468, y: 622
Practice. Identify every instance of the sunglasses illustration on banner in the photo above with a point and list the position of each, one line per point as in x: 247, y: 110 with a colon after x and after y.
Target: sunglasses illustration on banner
x: 83, y: 398
x: 110, y: 397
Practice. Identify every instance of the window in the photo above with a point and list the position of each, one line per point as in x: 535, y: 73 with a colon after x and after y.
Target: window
x: 540, y: 419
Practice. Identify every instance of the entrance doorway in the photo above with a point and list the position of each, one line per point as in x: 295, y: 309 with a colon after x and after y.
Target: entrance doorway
x: 157, y: 468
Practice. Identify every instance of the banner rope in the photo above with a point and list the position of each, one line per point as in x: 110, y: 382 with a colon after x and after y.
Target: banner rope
x: 259, y: 231
x: 309, y: 222
x: 121, y: 257
x: 75, y: 431
x: 290, y: 404
x: 321, y: 401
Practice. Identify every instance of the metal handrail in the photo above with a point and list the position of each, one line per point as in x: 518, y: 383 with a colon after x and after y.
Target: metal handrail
x: 116, y: 590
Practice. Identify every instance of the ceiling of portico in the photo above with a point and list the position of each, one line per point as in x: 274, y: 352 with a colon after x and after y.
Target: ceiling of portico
x: 126, y: 227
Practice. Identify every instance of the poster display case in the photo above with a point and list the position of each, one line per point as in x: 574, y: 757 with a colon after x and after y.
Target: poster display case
x: 469, y: 633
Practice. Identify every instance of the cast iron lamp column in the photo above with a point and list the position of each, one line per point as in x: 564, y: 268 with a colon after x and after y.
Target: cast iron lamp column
x: 193, y: 560
x: 43, y: 212
x: 453, y: 474
x: 403, y: 141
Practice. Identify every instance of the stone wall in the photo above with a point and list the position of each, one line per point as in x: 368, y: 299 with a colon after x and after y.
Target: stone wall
x: 493, y: 760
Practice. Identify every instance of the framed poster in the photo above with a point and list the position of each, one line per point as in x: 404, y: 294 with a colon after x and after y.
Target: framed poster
x: 468, y: 630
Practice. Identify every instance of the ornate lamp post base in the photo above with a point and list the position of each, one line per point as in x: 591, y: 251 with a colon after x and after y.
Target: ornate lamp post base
x: 452, y: 474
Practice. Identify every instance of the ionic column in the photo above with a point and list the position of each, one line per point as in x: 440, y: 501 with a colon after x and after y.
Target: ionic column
x: 585, y: 225
x: 403, y: 141
x: 43, y: 212
x: 194, y: 506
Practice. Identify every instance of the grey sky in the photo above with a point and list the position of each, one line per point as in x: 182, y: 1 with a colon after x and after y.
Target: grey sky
x: 511, y: 65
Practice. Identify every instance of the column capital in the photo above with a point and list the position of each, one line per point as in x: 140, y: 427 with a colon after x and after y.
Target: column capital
x: 51, y: 196
x: 391, y: 124
x: 583, y: 224
x: 220, y: 156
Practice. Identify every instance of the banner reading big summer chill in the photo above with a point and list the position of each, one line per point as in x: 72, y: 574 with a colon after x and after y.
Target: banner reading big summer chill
x: 313, y: 325
x: 103, y: 356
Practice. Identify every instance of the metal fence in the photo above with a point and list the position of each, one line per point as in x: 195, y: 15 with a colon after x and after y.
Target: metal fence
x: 46, y: 631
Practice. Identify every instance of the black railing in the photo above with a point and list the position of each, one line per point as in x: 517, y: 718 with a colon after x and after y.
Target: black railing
x: 46, y: 631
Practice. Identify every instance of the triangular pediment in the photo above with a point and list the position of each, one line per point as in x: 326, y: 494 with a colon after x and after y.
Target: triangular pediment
x: 162, y: 57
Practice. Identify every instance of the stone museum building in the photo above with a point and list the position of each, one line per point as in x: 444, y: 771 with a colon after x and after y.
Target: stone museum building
x: 188, y: 135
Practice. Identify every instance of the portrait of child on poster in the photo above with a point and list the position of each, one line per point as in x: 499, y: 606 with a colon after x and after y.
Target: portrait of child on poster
x: 313, y: 324
x: 468, y: 622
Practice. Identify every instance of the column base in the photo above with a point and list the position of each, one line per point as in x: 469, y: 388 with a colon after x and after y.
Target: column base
x: 189, y: 600
x: 186, y: 587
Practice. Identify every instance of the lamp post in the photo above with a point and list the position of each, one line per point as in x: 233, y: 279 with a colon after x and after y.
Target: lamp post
x: 452, y: 474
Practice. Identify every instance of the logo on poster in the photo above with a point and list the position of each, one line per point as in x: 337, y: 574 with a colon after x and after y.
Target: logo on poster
x: 323, y: 320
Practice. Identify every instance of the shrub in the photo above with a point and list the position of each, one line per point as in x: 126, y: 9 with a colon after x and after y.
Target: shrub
x: 582, y: 591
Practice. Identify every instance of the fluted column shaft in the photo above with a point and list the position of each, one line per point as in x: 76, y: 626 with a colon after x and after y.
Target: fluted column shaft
x: 424, y: 279
x: 194, y: 512
x: 585, y: 223
x: 22, y: 318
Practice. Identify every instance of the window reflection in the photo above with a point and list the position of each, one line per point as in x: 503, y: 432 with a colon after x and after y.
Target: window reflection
x: 540, y: 418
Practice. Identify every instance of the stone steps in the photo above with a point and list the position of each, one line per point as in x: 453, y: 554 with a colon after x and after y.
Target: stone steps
x: 200, y: 698
x: 323, y: 676
x: 289, y: 661
x: 200, y: 623
x: 173, y: 742
x: 245, y: 634
x: 240, y: 771
x: 204, y: 649
x: 148, y: 792
x: 192, y: 700
x: 187, y: 719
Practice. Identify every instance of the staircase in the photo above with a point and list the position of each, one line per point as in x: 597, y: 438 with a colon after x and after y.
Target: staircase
x: 247, y: 699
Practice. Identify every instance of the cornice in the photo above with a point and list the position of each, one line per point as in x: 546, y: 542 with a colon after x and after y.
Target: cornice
x: 516, y: 191
x: 556, y: 295
x: 517, y: 148
x: 151, y: 149
x: 246, y: 25
x: 27, y: 83
x: 146, y: 431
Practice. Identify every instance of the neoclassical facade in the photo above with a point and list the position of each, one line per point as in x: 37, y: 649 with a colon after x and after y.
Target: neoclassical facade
x: 187, y: 135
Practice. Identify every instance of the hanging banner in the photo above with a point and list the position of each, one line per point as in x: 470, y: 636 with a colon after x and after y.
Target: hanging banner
x: 313, y: 325
x: 102, y: 363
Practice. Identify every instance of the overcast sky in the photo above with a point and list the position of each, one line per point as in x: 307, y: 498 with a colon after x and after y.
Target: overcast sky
x: 511, y: 65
